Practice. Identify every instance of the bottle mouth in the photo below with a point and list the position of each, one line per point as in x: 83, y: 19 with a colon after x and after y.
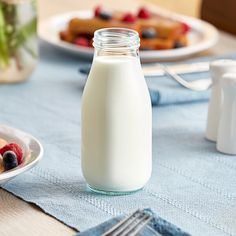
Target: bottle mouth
x: 116, y: 39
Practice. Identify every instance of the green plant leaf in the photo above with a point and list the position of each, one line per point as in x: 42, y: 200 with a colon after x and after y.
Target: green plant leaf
x: 24, y: 33
x: 4, y: 52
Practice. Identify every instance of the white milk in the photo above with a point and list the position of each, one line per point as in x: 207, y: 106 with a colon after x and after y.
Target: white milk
x: 116, y: 125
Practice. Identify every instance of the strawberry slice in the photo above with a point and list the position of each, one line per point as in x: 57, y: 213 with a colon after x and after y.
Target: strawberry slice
x: 82, y: 41
x: 185, y: 27
x: 144, y: 13
x: 97, y: 11
x: 129, y: 18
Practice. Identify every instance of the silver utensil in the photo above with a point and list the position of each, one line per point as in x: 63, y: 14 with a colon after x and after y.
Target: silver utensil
x: 154, y: 70
x: 173, y: 71
x: 131, y: 225
x: 195, y: 85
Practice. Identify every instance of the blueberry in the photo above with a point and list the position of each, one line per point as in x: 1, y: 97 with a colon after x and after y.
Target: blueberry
x: 85, y: 70
x: 149, y: 33
x: 105, y: 15
x: 9, y: 160
x: 178, y: 45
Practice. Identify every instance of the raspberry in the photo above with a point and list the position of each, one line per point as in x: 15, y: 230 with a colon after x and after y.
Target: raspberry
x: 82, y: 41
x: 185, y: 27
x: 97, y: 11
x: 14, y: 147
x: 144, y: 13
x: 129, y: 18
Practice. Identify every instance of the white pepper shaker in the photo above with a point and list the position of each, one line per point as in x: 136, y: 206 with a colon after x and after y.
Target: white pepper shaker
x: 226, y: 140
x: 217, y: 69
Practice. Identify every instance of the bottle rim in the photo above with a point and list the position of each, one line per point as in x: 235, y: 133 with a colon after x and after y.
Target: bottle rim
x: 116, y: 39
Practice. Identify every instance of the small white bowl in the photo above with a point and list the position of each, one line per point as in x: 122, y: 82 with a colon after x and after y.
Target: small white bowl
x: 32, y: 150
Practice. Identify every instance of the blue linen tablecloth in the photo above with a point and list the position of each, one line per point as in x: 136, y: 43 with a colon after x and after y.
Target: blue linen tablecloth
x: 164, y: 90
x: 192, y: 185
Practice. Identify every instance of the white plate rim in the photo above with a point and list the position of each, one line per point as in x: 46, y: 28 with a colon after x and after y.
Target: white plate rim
x: 209, y: 32
x: 12, y: 173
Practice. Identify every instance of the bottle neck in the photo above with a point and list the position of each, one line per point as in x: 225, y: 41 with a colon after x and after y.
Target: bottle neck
x: 118, y: 53
x: 116, y: 42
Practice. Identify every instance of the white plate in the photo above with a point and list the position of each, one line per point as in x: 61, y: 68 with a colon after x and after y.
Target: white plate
x: 202, y: 36
x: 32, y: 149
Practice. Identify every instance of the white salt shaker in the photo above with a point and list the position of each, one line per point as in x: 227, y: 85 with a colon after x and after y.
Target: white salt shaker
x: 226, y: 140
x: 217, y: 69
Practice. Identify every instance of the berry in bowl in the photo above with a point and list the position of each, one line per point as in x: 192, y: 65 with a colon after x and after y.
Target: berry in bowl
x: 19, y: 152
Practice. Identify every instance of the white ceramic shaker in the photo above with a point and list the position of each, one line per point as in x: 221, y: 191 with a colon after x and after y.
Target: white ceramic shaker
x: 217, y: 69
x: 226, y: 140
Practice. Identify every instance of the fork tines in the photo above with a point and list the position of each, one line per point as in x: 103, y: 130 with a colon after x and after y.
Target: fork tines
x: 131, y: 225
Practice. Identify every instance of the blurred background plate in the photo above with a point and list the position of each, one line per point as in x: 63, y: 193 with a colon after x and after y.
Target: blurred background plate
x: 32, y: 149
x: 202, y: 37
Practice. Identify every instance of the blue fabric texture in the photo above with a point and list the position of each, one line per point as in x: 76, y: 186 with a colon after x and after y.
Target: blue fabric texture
x: 192, y: 185
x: 157, y: 226
x: 164, y: 90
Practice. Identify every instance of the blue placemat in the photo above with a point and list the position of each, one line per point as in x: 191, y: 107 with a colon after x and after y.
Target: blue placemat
x: 192, y: 185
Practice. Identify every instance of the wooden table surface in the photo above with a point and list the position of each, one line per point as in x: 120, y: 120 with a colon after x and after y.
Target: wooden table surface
x: 20, y: 218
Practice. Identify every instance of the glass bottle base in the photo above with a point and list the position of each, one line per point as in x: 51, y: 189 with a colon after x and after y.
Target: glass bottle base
x: 112, y: 193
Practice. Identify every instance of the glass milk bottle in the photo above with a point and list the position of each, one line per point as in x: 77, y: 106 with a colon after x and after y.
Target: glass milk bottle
x: 116, y: 116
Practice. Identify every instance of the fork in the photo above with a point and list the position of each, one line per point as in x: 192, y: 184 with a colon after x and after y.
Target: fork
x: 131, y: 225
x: 195, y: 85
